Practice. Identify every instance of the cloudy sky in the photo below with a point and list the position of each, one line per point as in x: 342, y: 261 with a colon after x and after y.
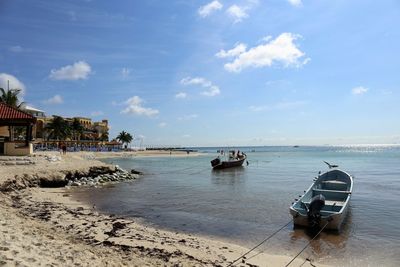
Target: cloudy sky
x: 204, y: 73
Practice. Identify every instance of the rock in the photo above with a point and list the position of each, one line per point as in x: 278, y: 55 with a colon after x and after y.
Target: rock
x: 133, y: 171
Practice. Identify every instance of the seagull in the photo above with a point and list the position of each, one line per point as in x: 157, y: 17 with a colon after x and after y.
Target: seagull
x: 331, y: 165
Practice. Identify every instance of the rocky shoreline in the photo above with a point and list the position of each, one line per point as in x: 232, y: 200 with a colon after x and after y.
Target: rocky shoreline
x: 93, y: 176
x: 97, y: 177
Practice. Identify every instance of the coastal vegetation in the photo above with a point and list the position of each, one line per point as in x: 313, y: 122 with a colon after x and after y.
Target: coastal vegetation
x: 58, y: 129
x: 76, y: 129
x: 10, y: 97
x: 125, y: 138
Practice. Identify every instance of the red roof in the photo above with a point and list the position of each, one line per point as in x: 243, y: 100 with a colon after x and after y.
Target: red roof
x: 10, y: 113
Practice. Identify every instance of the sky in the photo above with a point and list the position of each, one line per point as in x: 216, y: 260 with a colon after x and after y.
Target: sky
x: 211, y: 73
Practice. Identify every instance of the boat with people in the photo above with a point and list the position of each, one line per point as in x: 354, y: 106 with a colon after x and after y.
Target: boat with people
x: 326, y: 202
x: 235, y: 159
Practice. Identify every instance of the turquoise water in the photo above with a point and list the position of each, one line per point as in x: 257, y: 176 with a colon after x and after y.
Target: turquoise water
x: 243, y: 205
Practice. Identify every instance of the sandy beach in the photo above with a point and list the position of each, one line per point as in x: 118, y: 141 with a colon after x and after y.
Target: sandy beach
x: 45, y: 227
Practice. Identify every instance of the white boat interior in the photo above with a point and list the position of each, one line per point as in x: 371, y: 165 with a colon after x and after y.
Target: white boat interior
x: 335, y: 186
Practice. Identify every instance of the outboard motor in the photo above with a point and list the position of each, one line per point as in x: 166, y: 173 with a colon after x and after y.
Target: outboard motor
x: 215, y: 162
x: 314, y: 215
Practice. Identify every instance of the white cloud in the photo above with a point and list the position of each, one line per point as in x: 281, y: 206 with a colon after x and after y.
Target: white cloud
x: 134, y: 107
x: 237, y: 13
x: 211, y: 89
x: 162, y: 124
x: 188, y: 117
x: 125, y: 72
x: 16, y: 49
x: 57, y: 99
x: 77, y: 71
x: 196, y: 81
x: 237, y: 50
x: 360, y: 90
x: 206, y: 10
x: 281, y: 50
x: 140, y: 136
x: 181, y: 95
x: 96, y: 113
x: 186, y: 136
x: 13, y: 82
x: 295, y: 2
x: 279, y: 106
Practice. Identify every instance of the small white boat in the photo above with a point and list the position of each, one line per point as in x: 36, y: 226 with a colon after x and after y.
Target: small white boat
x: 326, y: 202
x: 234, y: 160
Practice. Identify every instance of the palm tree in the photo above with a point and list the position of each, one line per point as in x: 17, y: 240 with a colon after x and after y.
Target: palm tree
x: 58, y: 128
x: 125, y: 137
x: 77, y: 129
x: 10, y: 97
x: 129, y: 138
x: 104, y: 137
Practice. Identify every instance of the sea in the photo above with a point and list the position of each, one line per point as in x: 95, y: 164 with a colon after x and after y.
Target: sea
x: 246, y: 204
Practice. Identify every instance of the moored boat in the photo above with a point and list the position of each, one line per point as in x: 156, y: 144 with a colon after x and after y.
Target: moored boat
x: 326, y: 202
x: 234, y: 160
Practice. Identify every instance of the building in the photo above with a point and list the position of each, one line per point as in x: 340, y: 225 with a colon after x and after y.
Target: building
x: 16, y: 131
x: 92, y: 134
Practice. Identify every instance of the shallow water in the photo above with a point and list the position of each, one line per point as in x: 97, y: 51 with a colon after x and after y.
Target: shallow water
x: 244, y: 205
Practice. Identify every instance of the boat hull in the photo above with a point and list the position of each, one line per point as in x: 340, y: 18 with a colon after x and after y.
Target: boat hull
x: 229, y: 164
x: 334, y: 221
x: 336, y: 187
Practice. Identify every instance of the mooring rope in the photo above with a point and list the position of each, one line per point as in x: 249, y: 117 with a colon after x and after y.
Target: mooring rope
x: 173, y: 171
x: 200, y: 171
x: 309, y: 242
x: 259, y: 244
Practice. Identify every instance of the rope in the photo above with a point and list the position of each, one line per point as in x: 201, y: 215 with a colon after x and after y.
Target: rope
x: 174, y: 171
x: 262, y: 242
x: 309, y: 242
x: 200, y: 171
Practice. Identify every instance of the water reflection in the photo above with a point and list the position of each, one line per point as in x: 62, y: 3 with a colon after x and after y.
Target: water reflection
x: 231, y: 176
x: 326, y: 240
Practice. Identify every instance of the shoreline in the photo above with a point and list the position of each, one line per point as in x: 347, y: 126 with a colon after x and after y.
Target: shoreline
x: 139, y: 154
x: 45, y: 225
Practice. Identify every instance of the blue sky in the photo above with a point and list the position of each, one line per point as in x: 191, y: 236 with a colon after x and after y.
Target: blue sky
x: 205, y: 73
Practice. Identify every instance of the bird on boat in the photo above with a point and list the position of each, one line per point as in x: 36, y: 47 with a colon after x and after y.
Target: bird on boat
x: 331, y: 165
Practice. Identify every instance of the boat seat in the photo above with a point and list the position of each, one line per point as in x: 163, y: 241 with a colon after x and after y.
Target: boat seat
x: 332, y: 191
x: 333, y: 182
x: 334, y: 185
x: 327, y: 212
x: 330, y: 203
x: 334, y: 202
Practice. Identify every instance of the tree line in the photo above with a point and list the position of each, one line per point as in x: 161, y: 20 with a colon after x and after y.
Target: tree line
x: 59, y: 128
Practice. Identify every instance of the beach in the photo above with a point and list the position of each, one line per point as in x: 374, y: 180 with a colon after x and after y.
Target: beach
x: 45, y: 226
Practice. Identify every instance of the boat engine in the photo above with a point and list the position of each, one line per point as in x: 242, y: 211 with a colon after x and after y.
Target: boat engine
x: 215, y: 162
x: 314, y: 215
